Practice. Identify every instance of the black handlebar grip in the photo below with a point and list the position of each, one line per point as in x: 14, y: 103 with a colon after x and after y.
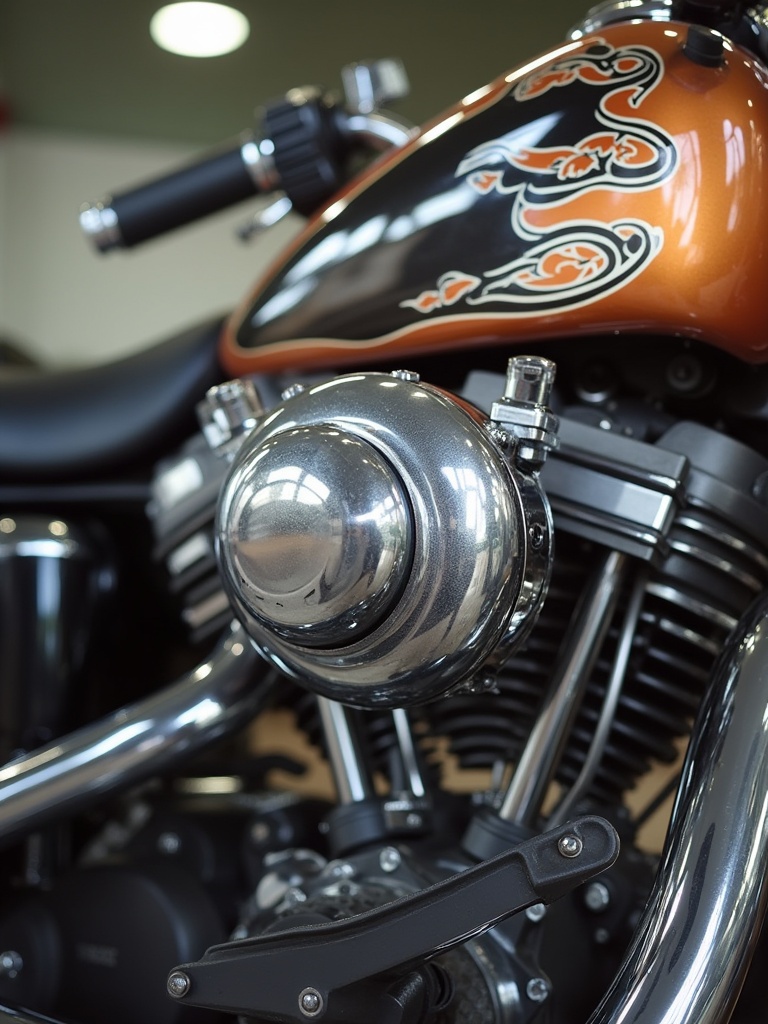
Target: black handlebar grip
x: 218, y: 180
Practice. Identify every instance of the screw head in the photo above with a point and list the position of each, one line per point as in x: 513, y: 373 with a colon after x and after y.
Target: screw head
x: 597, y: 897
x: 570, y: 846
x: 178, y: 984
x: 310, y: 1002
x: 537, y: 990
x: 408, y: 375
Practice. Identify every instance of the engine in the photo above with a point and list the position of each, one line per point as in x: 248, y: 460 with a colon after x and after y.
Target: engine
x: 389, y: 546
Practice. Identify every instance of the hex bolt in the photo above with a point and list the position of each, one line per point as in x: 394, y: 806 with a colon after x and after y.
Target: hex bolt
x: 536, y: 913
x: 570, y: 846
x: 537, y: 990
x: 310, y: 1002
x: 390, y: 859
x: 178, y: 984
x: 597, y: 897
x: 407, y: 375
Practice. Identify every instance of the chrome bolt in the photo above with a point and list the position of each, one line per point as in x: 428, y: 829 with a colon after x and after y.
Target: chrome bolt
x: 228, y: 412
x: 310, y: 1002
x: 537, y: 990
x: 597, y: 897
x: 178, y: 984
x: 408, y: 375
x: 529, y: 379
x: 10, y: 963
x: 536, y: 535
x: 168, y: 843
x: 570, y: 846
x: 413, y: 820
x: 536, y: 913
x: 292, y: 391
x: 389, y: 859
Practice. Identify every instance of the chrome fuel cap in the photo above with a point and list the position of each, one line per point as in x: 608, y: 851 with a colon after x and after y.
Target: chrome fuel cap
x: 318, y: 533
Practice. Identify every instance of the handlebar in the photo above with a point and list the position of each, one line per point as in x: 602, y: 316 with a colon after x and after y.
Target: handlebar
x: 303, y: 151
x: 214, y: 182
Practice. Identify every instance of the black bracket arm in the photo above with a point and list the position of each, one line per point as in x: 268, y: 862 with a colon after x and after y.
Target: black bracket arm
x: 299, y: 974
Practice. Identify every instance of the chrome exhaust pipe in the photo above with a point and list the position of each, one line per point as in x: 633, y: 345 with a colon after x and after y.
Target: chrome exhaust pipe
x: 218, y: 697
x: 691, y: 951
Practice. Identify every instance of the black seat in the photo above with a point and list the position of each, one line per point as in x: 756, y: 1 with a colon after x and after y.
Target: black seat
x: 101, y: 420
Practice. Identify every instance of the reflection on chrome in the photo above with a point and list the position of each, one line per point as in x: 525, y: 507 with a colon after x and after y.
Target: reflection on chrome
x: 218, y: 697
x: 694, y: 944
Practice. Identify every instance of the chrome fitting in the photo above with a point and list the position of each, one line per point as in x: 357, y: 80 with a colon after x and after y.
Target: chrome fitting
x: 228, y: 413
x: 523, y: 413
x: 370, y: 85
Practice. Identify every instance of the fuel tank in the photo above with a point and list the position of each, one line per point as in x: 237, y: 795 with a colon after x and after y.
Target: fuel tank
x: 615, y: 184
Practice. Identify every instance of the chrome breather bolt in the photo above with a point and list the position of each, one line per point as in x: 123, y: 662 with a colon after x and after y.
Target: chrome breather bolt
x: 523, y: 412
x: 228, y: 413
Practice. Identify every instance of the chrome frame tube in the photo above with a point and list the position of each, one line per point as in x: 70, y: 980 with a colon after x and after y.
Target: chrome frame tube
x: 136, y: 742
x: 693, y: 946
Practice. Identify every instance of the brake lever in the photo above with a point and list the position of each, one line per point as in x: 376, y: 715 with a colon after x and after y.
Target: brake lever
x: 292, y: 975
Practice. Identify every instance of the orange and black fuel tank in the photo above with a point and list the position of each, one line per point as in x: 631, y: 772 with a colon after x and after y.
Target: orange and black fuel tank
x: 616, y: 184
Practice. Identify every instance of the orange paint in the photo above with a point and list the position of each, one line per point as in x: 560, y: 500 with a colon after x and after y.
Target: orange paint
x: 707, y: 280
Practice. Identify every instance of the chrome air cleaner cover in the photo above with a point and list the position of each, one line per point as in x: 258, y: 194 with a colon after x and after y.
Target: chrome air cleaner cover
x: 373, y: 540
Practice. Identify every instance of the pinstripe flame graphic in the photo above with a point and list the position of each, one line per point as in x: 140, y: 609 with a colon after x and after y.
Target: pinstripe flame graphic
x: 572, y: 260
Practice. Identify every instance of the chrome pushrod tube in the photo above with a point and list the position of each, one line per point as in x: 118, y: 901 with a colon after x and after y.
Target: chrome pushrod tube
x: 217, y: 697
x: 692, y: 949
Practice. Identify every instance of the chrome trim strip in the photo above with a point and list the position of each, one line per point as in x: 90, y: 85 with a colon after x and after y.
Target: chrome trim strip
x: 692, y: 949
x: 135, y: 742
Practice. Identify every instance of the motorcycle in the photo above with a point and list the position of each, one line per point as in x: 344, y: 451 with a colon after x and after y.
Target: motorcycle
x: 473, y: 488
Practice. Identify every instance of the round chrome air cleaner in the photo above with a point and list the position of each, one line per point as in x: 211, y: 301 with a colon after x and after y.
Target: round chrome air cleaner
x: 319, y: 535
x: 373, y: 540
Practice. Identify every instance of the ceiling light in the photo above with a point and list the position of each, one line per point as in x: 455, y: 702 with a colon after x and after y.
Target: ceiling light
x: 199, y: 29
